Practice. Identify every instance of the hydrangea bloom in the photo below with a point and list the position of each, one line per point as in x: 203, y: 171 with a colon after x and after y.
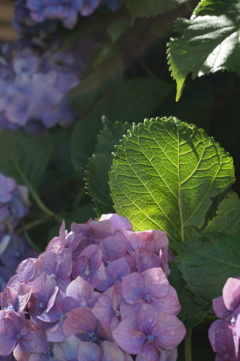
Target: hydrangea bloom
x: 30, y: 13
x: 89, y: 292
x: 34, y: 90
x: 224, y: 334
x: 14, y: 205
x: 14, y: 202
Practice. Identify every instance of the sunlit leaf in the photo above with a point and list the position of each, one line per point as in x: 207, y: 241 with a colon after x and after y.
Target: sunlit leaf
x: 164, y: 174
x: 206, y: 43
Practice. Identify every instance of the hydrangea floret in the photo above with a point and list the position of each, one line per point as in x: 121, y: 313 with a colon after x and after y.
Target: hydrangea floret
x: 92, y: 296
x: 27, y: 75
x: 30, y: 13
x: 14, y: 205
x: 224, y: 333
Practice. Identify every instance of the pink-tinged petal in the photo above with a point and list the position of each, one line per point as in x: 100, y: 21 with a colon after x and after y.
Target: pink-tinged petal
x: 94, y: 230
x: 145, y: 259
x: 133, y: 287
x: 103, y: 311
x: 26, y: 270
x: 156, y: 283
x: 219, y: 307
x: 118, y: 222
x: 89, y: 351
x: 128, y: 337
x: 67, y: 350
x: 113, y: 247
x: 81, y: 291
x: 169, y: 303
x: 235, y: 326
x: 111, y: 352
x: 149, y: 352
x: 79, y: 321
x: 147, y: 319
x: 37, y: 342
x: 153, y: 240
x: 20, y: 353
x: 114, y: 271
x: 127, y: 310
x: 221, y: 340
x: 7, y: 335
x: 169, y: 332
x: 55, y: 332
x: 231, y: 293
x: 169, y: 355
x: 17, y: 298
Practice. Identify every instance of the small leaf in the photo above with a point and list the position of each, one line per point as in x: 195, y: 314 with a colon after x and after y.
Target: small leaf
x: 208, y: 261
x: 143, y: 8
x: 227, y: 219
x: 117, y: 27
x: 192, y: 311
x: 24, y: 157
x: 207, y: 43
x: 164, y: 174
x: 129, y: 102
x: 100, y: 164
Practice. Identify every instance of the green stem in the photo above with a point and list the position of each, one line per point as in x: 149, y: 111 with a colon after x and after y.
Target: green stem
x: 33, y: 224
x: 188, y: 345
x: 34, y: 194
x: 37, y: 248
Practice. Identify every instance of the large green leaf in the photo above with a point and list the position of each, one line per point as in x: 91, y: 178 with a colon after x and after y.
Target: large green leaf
x: 208, y: 261
x: 164, y: 174
x: 143, y: 8
x: 207, y: 43
x: 100, y: 163
x: 24, y: 157
x: 132, y: 100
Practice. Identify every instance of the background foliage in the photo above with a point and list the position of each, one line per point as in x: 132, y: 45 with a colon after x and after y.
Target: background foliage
x: 165, y: 173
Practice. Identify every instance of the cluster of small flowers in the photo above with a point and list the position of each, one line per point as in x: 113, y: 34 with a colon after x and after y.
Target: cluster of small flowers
x: 34, y: 89
x: 30, y: 13
x: 99, y: 292
x: 224, y: 334
x: 14, y: 206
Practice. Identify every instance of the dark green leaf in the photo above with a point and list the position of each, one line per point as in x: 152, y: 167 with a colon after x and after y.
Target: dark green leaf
x: 192, y: 312
x: 227, y: 219
x: 207, y: 43
x: 164, y: 174
x: 130, y: 102
x: 208, y: 261
x: 117, y: 27
x: 100, y: 164
x: 143, y: 8
x: 24, y: 157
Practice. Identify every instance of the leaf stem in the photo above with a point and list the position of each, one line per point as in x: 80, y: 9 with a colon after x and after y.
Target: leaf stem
x: 188, y: 346
x: 33, y: 224
x: 37, y: 248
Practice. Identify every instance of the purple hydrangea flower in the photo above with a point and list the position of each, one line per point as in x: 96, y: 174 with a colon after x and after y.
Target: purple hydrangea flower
x: 224, y: 334
x: 20, y: 336
x: 36, y: 90
x: 14, y: 203
x: 87, y: 294
x: 149, y: 333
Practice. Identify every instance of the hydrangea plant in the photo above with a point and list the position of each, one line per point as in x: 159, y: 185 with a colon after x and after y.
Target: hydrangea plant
x: 100, y: 291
